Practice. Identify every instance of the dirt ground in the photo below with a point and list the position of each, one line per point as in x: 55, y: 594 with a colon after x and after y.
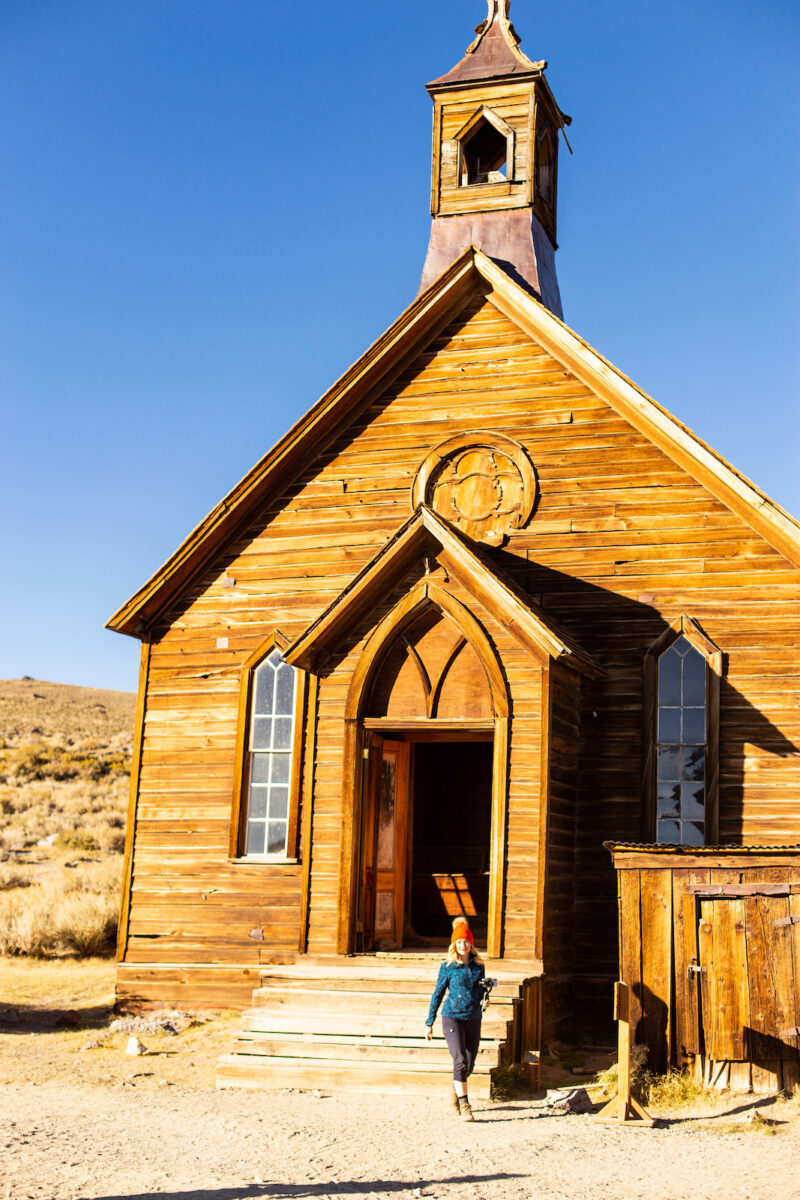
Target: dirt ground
x: 89, y: 1124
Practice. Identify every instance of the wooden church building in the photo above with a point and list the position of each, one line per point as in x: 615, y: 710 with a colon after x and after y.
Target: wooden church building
x: 485, y: 607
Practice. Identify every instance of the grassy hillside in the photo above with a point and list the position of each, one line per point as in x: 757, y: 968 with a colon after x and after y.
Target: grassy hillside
x: 65, y: 756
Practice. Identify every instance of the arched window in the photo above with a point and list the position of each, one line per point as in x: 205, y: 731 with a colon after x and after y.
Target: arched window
x: 268, y: 758
x: 683, y: 669
x: 682, y: 748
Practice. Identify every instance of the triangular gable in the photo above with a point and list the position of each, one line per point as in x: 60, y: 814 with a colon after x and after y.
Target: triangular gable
x: 386, y: 359
x: 424, y: 535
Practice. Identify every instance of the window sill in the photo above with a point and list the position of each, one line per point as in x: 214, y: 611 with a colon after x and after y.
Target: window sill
x: 261, y: 860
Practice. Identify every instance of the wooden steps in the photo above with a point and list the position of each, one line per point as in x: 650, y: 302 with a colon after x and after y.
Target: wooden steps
x: 358, y: 1025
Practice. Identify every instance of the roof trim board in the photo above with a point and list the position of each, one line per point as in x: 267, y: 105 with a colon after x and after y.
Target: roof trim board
x: 386, y: 358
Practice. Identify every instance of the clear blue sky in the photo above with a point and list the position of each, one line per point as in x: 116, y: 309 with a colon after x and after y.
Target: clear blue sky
x: 210, y: 208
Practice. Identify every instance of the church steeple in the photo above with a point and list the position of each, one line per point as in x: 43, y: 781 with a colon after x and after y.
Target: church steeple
x: 495, y: 160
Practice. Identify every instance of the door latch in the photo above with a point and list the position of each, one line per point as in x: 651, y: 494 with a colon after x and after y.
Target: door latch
x: 694, y: 968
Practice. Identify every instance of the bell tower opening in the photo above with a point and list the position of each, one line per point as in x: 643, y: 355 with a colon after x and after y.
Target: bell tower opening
x: 484, y: 155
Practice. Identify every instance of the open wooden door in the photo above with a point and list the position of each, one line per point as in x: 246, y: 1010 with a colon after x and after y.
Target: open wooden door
x: 385, y: 845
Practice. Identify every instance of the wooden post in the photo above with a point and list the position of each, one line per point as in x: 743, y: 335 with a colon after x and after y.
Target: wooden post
x: 623, y: 1108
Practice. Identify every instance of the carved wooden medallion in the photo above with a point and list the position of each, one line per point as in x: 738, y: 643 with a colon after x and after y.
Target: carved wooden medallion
x: 483, y: 483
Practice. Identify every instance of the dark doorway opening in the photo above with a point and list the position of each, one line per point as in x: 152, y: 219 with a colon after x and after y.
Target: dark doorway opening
x: 450, y: 845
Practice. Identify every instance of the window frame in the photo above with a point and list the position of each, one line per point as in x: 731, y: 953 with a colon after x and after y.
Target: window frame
x: 683, y: 626
x: 238, y: 837
x: 504, y: 129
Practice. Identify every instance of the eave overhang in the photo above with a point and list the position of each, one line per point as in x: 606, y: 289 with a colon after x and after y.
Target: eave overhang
x: 426, y: 538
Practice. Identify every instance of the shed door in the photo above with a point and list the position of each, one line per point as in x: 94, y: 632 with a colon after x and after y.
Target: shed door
x: 750, y: 998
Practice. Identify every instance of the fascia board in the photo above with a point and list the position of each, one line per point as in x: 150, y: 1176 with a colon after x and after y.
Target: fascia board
x: 685, y: 448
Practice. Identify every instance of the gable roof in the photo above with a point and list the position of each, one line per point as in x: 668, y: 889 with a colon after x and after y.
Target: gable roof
x: 385, y: 360
x: 425, y: 534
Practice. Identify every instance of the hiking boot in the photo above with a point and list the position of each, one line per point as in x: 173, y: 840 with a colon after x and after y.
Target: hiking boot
x: 454, y: 1101
x: 465, y: 1109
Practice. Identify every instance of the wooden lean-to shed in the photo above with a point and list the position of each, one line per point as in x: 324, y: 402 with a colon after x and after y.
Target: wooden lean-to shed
x: 710, y: 950
x: 483, y: 608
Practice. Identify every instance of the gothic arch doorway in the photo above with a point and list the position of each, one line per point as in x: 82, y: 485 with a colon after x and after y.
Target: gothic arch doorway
x: 428, y: 712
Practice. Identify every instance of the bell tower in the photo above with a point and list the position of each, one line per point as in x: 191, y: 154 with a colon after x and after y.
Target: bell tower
x: 495, y: 160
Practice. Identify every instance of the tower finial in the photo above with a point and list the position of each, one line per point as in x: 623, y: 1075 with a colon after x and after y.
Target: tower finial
x: 499, y: 10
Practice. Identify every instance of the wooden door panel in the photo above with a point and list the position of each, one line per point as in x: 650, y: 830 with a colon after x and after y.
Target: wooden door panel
x: 386, y: 828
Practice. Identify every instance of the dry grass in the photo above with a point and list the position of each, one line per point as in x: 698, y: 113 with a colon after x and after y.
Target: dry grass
x: 675, y: 1091
x: 70, y: 911
x: 64, y: 772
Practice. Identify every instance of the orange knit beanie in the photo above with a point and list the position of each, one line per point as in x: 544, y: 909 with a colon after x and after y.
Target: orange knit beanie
x: 461, y: 932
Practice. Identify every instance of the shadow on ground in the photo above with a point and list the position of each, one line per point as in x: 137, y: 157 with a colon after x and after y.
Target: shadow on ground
x: 299, y: 1191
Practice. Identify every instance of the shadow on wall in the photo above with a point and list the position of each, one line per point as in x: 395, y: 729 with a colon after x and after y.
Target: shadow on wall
x: 617, y: 631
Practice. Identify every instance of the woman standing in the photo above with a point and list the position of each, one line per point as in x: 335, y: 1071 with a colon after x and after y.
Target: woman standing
x: 461, y: 976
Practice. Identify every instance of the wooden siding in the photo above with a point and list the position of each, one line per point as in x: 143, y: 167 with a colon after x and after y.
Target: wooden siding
x: 622, y: 542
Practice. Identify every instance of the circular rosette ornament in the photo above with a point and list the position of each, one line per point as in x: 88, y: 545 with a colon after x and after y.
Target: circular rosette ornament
x: 484, y: 484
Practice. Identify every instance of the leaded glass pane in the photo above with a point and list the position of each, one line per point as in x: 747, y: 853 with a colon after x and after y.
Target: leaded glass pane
x: 284, y: 692
x: 693, y: 833
x: 693, y: 801
x: 281, y: 764
x: 669, y: 800
x: 259, y: 772
x: 669, y: 831
x: 282, y: 736
x: 669, y: 763
x: 669, y: 725
x: 669, y: 678
x: 261, y: 733
x: 276, y: 843
x: 279, y: 803
x: 694, y: 726
x: 255, y: 837
x: 264, y: 689
x: 259, y: 797
x: 694, y: 679
x: 694, y: 762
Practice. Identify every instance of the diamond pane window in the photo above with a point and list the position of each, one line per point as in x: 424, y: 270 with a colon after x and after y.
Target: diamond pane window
x: 681, y: 749
x: 270, y: 757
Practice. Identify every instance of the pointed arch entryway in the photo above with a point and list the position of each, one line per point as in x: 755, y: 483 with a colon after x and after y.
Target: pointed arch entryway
x: 429, y: 670
x: 427, y: 733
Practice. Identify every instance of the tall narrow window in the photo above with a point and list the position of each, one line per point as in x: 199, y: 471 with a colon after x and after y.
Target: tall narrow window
x: 269, y: 767
x: 681, y: 761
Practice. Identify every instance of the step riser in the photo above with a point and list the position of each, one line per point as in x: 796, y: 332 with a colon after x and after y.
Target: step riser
x: 424, y: 1055
x: 267, y: 1076
x: 356, y: 1003
x: 337, y: 1023
x: 347, y: 983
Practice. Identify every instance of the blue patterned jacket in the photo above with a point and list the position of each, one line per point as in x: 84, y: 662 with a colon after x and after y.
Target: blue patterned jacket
x: 465, y: 994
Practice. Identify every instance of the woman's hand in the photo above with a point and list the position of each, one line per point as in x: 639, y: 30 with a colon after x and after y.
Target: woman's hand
x: 428, y: 1032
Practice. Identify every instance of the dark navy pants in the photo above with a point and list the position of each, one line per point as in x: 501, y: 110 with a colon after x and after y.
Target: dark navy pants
x: 463, y: 1039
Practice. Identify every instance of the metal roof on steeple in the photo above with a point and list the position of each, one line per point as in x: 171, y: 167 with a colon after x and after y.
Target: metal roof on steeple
x: 494, y: 54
